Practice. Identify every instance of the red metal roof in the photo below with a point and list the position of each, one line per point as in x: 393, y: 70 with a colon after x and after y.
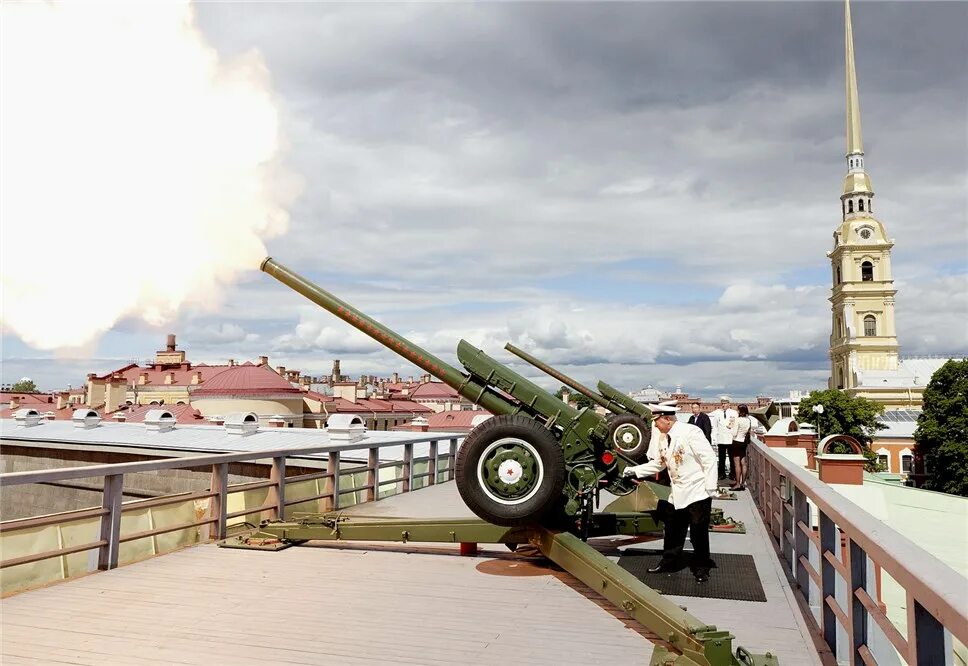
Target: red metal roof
x: 460, y: 421
x: 333, y: 405
x: 433, y: 391
x: 246, y: 380
x: 182, y: 413
x: 27, y: 399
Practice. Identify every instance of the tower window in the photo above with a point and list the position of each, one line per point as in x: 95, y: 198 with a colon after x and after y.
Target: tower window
x: 850, y: 206
x: 870, y: 208
x: 867, y: 272
x: 870, y: 325
x: 838, y: 275
x: 860, y: 204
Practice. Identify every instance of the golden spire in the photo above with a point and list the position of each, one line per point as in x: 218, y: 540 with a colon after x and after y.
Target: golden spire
x: 857, y: 179
x: 854, y: 141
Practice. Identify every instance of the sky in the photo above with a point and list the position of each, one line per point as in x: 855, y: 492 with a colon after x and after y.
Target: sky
x: 642, y: 193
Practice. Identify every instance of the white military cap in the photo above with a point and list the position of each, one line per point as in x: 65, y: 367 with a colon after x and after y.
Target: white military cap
x: 725, y: 398
x: 667, y: 407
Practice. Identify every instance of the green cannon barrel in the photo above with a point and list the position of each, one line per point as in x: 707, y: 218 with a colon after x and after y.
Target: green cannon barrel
x: 560, y: 376
x: 479, y: 393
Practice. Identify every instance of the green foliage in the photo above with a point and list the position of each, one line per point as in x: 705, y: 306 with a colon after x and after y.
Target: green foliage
x: 580, y: 400
x: 942, y: 432
x: 25, y: 385
x: 844, y: 415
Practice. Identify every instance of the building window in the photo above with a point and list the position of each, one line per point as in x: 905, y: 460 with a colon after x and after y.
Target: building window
x: 838, y: 274
x: 850, y: 206
x: 867, y: 271
x: 870, y: 208
x: 860, y: 204
x: 906, y: 464
x: 882, y: 460
x: 870, y: 325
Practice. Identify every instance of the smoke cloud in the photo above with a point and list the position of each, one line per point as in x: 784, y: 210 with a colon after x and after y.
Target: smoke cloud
x: 140, y: 172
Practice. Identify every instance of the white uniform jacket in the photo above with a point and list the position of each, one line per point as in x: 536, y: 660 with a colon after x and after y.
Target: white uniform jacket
x: 690, y: 460
x: 724, y: 420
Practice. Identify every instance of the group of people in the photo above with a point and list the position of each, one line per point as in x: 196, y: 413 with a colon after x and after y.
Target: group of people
x: 686, y: 452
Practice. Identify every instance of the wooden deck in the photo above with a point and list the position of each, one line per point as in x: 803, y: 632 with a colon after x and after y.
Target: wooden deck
x: 365, y: 605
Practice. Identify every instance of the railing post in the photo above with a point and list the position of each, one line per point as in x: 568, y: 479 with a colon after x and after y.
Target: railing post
x: 219, y: 502
x: 857, y: 627
x: 432, y: 464
x: 407, y: 471
x: 373, y: 474
x: 801, y: 540
x: 277, y: 492
x: 333, y: 466
x: 107, y: 557
x: 828, y: 543
x: 452, y: 460
x: 927, y: 645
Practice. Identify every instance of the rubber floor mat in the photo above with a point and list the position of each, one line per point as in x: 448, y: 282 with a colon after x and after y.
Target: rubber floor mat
x: 735, y: 576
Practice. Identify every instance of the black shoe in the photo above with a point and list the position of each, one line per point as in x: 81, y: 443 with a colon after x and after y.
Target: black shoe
x: 702, y: 577
x: 659, y: 568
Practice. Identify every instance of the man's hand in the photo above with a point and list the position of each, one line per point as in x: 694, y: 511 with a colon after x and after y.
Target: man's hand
x: 629, y: 472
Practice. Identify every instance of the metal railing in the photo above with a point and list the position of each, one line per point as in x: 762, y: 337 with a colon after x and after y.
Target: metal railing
x: 109, y: 537
x: 837, y: 566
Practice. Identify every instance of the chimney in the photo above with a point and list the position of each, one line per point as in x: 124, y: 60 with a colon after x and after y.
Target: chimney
x: 281, y: 370
x: 115, y: 391
x: 14, y: 402
x: 425, y: 379
x: 231, y: 362
x: 264, y: 360
x: 410, y: 379
x: 171, y: 342
x: 345, y: 390
x: 197, y: 377
x: 61, y: 401
x: 277, y: 422
x: 95, y: 390
x: 169, y: 378
x: 143, y: 378
x: 395, y: 378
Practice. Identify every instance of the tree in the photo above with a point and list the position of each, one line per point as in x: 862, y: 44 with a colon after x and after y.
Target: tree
x: 579, y: 399
x: 25, y: 385
x: 844, y: 415
x: 942, y: 434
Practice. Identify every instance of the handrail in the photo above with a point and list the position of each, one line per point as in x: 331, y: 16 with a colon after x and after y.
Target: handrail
x: 109, y: 535
x: 935, y: 592
x: 63, y: 474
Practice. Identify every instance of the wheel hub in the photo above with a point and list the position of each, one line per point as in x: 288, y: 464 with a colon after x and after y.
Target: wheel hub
x: 510, y: 471
x: 627, y: 437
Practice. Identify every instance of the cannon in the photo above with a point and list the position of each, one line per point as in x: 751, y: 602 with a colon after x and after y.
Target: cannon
x: 631, y: 421
x: 538, y: 461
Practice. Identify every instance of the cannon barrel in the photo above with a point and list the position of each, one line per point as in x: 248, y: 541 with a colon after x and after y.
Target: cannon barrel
x: 560, y: 376
x: 477, y: 392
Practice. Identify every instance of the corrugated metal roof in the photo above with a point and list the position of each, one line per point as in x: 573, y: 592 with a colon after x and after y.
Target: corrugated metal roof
x: 215, y: 439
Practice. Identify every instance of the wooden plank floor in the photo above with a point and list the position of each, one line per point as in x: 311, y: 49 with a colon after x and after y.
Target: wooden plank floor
x: 364, y: 605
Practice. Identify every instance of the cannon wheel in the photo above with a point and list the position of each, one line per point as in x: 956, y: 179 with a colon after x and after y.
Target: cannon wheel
x: 510, y: 470
x: 631, y: 435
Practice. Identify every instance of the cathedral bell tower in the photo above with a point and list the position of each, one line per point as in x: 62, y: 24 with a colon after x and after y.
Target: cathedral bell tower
x: 863, y: 336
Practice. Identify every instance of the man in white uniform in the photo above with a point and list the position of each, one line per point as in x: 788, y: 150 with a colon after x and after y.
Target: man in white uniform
x: 724, y: 420
x: 685, y: 452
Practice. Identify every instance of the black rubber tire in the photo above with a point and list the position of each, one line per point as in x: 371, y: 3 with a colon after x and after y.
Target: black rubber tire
x: 550, y: 456
x: 638, y: 452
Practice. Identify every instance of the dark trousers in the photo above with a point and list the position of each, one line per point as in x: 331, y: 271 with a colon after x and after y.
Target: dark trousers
x: 695, y: 519
x: 723, y: 455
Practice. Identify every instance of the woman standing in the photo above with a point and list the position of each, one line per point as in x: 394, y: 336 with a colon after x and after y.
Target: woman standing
x: 742, y: 431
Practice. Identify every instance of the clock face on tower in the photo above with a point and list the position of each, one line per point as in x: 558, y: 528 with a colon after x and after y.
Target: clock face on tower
x: 865, y: 233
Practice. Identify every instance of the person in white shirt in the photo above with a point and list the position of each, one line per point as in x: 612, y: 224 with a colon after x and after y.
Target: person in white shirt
x: 724, y: 419
x: 684, y: 451
x: 743, y: 429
